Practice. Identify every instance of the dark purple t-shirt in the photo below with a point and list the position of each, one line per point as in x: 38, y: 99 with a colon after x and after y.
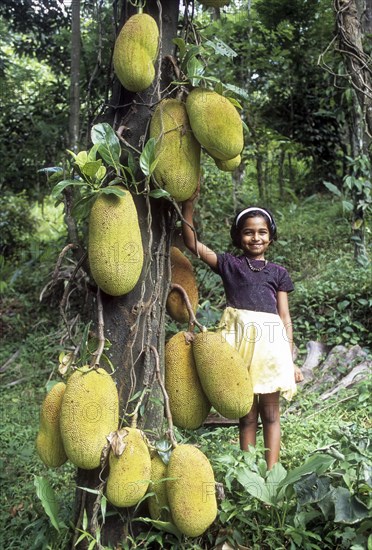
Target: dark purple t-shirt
x: 252, y: 290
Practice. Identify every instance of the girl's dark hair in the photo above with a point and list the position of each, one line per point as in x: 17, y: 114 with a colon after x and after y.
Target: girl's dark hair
x: 241, y: 216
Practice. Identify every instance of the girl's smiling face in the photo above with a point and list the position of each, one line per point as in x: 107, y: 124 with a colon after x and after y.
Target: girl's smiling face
x: 255, y: 237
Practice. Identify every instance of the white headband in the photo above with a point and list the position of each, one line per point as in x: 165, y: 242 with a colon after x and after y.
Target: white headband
x: 251, y: 210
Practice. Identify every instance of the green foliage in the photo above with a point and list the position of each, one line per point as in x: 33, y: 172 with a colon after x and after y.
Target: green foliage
x: 16, y: 224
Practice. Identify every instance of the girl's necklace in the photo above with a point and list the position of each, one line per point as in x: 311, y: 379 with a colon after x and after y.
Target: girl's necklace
x: 252, y: 268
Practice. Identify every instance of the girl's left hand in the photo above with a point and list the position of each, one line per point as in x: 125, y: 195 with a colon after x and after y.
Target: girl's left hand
x: 298, y: 374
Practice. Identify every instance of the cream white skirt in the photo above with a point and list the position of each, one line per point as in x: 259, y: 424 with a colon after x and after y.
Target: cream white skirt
x: 261, y: 340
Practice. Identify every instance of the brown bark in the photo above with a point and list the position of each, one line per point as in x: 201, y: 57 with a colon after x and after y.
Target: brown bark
x: 74, y: 121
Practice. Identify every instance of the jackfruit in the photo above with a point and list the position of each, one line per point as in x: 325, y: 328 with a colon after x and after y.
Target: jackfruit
x: 130, y: 473
x: 187, y: 401
x: 49, y: 443
x: 135, y: 52
x: 158, y: 502
x: 183, y: 275
x: 214, y: 3
x: 177, y: 150
x: 191, y: 490
x: 90, y: 412
x: 115, y: 249
x: 228, y: 165
x: 216, y: 123
x: 223, y: 374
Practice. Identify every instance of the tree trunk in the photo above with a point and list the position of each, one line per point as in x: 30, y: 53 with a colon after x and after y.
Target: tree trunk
x: 136, y: 321
x: 74, y: 116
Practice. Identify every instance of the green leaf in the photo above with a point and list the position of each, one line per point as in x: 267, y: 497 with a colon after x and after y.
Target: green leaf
x: 254, y: 484
x: 48, y: 499
x: 331, y: 187
x: 221, y: 48
x: 194, y: 71
x: 110, y: 190
x: 348, y: 509
x: 238, y: 91
x: 61, y: 186
x: 148, y: 157
x: 165, y: 526
x: 347, y: 206
x: 159, y: 193
x: 90, y: 168
x: 274, y: 477
x: 318, y: 463
x: 181, y: 44
x: 235, y: 102
x: 108, y: 143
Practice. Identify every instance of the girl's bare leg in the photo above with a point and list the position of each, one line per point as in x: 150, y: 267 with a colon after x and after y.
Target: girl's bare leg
x: 270, y: 416
x: 248, y: 427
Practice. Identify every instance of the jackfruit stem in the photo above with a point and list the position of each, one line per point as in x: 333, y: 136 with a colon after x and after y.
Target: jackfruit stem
x: 168, y: 414
x: 192, y: 319
x: 101, y: 332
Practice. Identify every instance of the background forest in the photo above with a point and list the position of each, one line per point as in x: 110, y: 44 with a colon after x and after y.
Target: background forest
x: 307, y: 156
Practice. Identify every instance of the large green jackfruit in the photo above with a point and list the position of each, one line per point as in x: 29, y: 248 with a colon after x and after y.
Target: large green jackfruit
x: 183, y: 275
x: 130, y: 473
x: 177, y: 150
x: 191, y: 490
x: 187, y: 401
x: 158, y: 501
x: 135, y: 52
x: 228, y: 165
x: 223, y: 374
x: 115, y: 249
x: 89, y: 413
x: 216, y: 123
x: 49, y: 443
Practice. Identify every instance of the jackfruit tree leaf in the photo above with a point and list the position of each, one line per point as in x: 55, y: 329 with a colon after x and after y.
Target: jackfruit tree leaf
x: 181, y: 46
x: 238, y: 91
x: 221, y: 48
x: 148, y: 157
x: 196, y: 69
x: 110, y: 190
x: 235, y: 102
x: 49, y: 501
x: 90, y: 168
x: 159, y: 193
x: 190, y: 54
x: 82, y: 207
x: 61, y: 186
x: 109, y: 145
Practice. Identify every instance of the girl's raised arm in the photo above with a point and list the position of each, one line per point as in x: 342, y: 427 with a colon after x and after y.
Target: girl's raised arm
x: 190, y: 238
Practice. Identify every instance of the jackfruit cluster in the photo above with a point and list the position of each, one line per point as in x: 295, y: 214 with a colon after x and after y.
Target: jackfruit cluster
x: 190, y: 488
x: 187, y: 401
x: 182, y: 273
x: 223, y: 374
x: 178, y: 152
x: 130, y: 472
x: 49, y: 444
x: 135, y: 52
x: 115, y: 249
x: 89, y: 413
x: 215, y: 123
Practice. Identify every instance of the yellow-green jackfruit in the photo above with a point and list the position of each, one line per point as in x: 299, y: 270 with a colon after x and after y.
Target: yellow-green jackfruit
x: 191, y: 490
x: 177, y: 150
x: 223, y: 374
x: 115, y: 249
x: 183, y: 275
x: 49, y: 443
x: 228, y: 165
x: 135, y: 52
x: 187, y: 401
x: 130, y: 473
x: 216, y: 123
x: 89, y: 413
x: 158, y: 502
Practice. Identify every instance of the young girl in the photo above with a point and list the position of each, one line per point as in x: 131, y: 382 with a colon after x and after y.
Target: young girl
x: 256, y: 294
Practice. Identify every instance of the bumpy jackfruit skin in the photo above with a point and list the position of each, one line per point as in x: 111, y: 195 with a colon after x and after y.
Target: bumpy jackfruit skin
x: 130, y: 473
x: 158, y: 502
x: 187, y: 401
x: 89, y: 412
x: 216, y: 123
x: 223, y: 374
x: 182, y: 274
x: 177, y: 150
x: 135, y: 52
x: 228, y: 165
x: 115, y: 249
x: 214, y: 3
x: 191, y: 490
x: 49, y: 443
